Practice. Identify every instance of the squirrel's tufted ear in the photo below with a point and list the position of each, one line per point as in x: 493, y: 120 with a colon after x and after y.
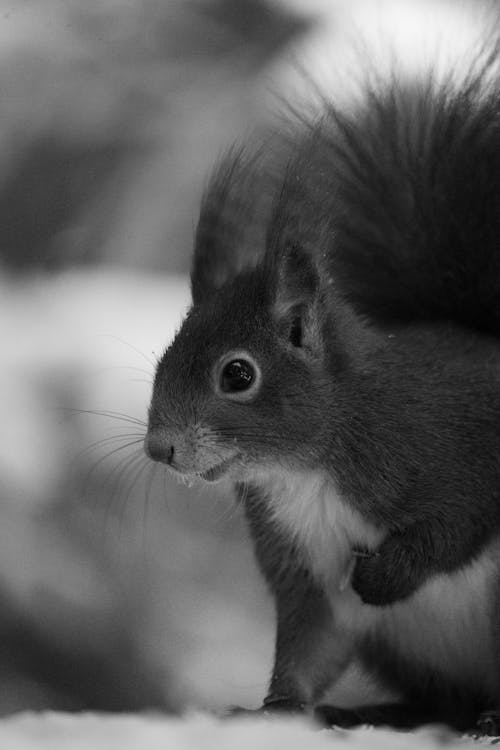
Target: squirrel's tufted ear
x: 294, y: 236
x: 297, y: 278
x: 231, y: 227
x: 297, y: 302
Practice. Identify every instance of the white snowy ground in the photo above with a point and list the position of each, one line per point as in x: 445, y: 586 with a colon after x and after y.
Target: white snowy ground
x: 56, y: 731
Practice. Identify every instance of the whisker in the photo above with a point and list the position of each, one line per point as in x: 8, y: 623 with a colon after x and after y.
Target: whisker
x: 120, y: 480
x: 215, y: 450
x: 165, y: 491
x: 119, y: 416
x: 107, y: 440
x: 126, y: 461
x: 131, y: 346
x: 145, y: 510
x: 122, y: 367
x: 248, y: 436
x: 242, y: 493
x: 228, y: 513
x: 139, y: 468
x: 129, y: 444
x: 249, y: 429
x: 127, y: 457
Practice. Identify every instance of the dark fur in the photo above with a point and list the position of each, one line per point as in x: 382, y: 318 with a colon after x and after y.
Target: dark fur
x: 369, y: 293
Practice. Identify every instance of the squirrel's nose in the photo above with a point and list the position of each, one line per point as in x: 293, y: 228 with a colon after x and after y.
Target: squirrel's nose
x: 158, y: 448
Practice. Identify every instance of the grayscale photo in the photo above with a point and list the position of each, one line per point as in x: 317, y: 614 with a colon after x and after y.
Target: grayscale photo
x: 249, y: 374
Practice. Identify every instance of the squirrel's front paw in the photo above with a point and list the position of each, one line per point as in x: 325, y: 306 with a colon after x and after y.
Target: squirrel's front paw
x: 384, y: 577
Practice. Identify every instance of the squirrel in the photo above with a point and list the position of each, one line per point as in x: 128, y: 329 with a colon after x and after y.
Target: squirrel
x: 340, y: 364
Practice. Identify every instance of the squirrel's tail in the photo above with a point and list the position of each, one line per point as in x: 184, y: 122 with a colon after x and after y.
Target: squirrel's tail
x: 402, y: 197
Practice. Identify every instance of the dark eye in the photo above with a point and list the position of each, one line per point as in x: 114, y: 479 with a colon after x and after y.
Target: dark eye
x: 236, y: 376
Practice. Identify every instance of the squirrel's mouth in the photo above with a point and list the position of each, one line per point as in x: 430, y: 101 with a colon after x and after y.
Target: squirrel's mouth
x: 217, y: 472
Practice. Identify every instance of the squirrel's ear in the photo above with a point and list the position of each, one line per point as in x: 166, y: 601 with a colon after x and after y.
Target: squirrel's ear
x: 230, y: 231
x: 297, y: 303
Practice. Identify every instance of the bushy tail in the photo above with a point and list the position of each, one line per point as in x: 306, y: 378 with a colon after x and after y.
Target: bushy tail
x: 400, y: 199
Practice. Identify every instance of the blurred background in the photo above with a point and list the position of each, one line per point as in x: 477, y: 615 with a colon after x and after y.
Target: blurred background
x: 121, y: 590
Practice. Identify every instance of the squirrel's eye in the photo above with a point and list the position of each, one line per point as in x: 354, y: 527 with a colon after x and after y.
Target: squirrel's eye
x: 236, y: 376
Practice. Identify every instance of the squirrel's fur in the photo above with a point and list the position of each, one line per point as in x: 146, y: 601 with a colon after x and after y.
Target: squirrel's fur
x: 407, y: 191
x: 355, y: 272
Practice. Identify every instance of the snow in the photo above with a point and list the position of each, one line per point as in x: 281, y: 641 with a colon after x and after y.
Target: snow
x: 57, y: 731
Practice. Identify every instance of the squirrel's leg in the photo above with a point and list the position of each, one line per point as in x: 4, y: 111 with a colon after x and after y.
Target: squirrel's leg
x: 310, y: 652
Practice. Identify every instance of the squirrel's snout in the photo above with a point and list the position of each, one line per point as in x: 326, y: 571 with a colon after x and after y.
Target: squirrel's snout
x: 187, y: 451
x: 158, y: 448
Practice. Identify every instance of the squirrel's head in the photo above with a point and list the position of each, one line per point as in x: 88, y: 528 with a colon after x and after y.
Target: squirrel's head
x: 244, y: 384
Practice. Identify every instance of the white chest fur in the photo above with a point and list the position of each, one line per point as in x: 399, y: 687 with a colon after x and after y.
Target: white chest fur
x: 324, y: 526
